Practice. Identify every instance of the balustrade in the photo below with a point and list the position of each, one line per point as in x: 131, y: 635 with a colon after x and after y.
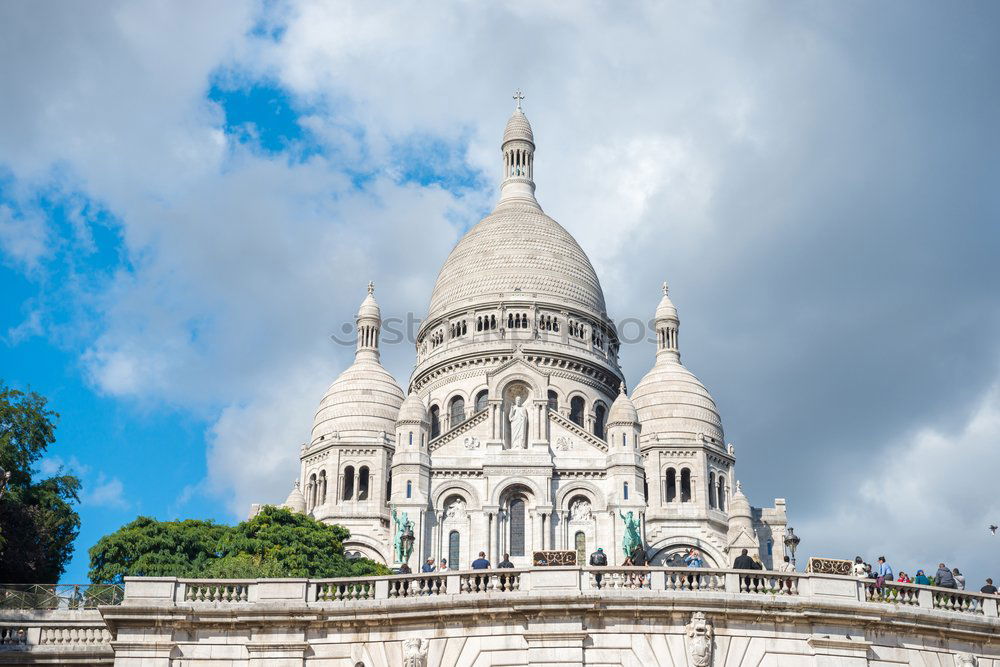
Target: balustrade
x: 82, y: 636
x: 220, y: 591
x: 413, y: 585
x: 353, y: 589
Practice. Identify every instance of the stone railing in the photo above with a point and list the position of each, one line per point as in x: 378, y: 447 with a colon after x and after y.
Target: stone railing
x: 57, y: 636
x: 563, y: 580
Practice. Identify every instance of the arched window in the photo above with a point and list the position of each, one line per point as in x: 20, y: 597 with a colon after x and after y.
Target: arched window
x: 671, y: 485
x: 322, y: 487
x: 624, y: 441
x: 456, y: 412
x: 625, y: 491
x: 311, y: 491
x: 576, y: 407
x: 435, y: 421
x: 711, y: 490
x: 409, y: 489
x: 516, y: 513
x: 493, y: 321
x: 411, y: 438
x: 600, y: 417
x: 388, y: 486
x: 580, y: 543
x: 722, y: 493
x: 454, y: 549
x: 481, y: 399
x: 645, y: 489
x: 685, y: 485
x: 348, y: 482
x: 363, y: 483
x: 510, y: 320
x: 553, y: 400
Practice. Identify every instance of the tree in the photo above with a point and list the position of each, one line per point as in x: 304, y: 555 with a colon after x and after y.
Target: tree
x: 275, y: 543
x: 150, y: 548
x: 37, y: 521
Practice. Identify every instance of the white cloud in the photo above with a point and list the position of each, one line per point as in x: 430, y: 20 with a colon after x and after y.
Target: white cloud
x: 107, y: 493
x: 23, y: 238
x: 922, y: 500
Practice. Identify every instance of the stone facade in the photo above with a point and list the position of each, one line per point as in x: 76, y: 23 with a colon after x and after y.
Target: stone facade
x: 518, y: 328
x: 607, y: 617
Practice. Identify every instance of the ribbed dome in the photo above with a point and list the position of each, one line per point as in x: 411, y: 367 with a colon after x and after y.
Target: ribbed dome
x: 672, y: 402
x: 623, y: 410
x: 295, y: 502
x: 413, y: 410
x: 363, y: 401
x: 518, y: 127
x: 369, y: 307
x: 517, y: 249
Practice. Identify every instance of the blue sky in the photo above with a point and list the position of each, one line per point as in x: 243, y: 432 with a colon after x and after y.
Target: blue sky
x: 193, y: 197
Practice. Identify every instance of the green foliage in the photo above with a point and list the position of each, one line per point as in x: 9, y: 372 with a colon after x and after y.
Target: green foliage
x: 37, y: 521
x: 150, y: 548
x: 275, y: 543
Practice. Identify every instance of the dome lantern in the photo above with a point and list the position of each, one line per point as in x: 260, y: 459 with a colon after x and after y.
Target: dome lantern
x: 667, y: 326
x: 518, y: 149
x: 368, y: 322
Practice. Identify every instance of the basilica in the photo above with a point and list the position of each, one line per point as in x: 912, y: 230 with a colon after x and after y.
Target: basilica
x: 518, y: 433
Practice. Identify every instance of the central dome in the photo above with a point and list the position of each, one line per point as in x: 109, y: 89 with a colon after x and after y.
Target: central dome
x: 517, y: 251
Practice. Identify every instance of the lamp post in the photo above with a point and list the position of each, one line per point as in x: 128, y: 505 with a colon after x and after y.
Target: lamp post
x: 791, y: 543
x: 407, y: 540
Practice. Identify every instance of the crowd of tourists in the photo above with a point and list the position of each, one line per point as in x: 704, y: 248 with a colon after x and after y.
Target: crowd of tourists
x: 881, y: 572
x: 944, y: 577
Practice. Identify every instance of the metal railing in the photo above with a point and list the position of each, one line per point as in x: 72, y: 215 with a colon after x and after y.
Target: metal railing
x: 60, y: 596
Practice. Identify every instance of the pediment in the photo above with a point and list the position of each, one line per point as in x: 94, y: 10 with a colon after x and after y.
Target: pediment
x: 469, y: 437
x: 569, y: 440
x: 743, y: 540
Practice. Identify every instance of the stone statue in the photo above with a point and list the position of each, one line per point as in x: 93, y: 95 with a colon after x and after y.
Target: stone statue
x: 965, y: 660
x: 415, y: 652
x: 456, y: 510
x: 403, y: 527
x: 518, y: 417
x: 579, y: 511
x: 631, y: 539
x: 699, y: 640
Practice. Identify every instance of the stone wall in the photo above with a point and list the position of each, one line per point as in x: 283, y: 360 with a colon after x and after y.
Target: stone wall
x: 542, y: 616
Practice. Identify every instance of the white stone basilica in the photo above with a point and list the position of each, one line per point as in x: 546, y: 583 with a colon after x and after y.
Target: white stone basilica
x: 517, y: 434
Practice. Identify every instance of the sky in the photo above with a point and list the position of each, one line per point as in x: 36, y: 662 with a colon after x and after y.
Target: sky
x: 193, y: 197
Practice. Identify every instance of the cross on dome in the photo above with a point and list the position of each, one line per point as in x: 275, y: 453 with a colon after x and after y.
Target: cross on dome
x: 666, y: 288
x: 518, y: 96
x: 371, y: 287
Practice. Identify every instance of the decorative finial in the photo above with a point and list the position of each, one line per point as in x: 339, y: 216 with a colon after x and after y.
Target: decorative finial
x: 518, y: 95
x: 621, y: 388
x: 371, y: 287
x: 666, y: 288
x: 739, y: 487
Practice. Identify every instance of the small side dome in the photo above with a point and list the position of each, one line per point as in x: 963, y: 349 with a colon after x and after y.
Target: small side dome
x: 623, y: 410
x: 413, y: 410
x: 295, y: 502
x: 673, y: 403
x: 364, y: 401
x: 369, y: 307
x: 666, y: 310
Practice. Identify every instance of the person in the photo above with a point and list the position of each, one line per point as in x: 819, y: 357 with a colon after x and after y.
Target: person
x: 481, y: 563
x: 859, y: 568
x: 744, y: 562
x: 786, y: 565
x: 944, y: 578
x: 959, y: 579
x: 904, y: 578
x: 505, y: 564
x: 989, y: 588
x: 883, y: 572
x: 757, y: 565
x: 694, y: 559
x: 638, y: 556
x: 444, y: 565
x: 405, y: 569
x: 428, y: 566
x: 598, y: 559
x: 921, y: 579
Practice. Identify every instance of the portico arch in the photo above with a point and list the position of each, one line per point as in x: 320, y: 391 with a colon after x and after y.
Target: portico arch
x: 460, y: 488
x: 661, y: 552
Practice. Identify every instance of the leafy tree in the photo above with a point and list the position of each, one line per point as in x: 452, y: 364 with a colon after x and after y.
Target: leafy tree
x: 275, y: 543
x: 37, y: 521
x: 151, y: 548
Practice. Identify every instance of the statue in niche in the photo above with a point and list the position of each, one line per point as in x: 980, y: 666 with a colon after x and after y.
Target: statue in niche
x: 518, y: 417
x: 415, y: 652
x: 455, y: 510
x: 699, y: 640
x: 580, y: 510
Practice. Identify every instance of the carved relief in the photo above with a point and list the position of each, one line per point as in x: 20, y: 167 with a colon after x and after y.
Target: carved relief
x: 564, y: 443
x: 471, y: 442
x: 965, y: 660
x: 580, y: 510
x: 699, y: 640
x: 415, y: 652
x: 455, y: 509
